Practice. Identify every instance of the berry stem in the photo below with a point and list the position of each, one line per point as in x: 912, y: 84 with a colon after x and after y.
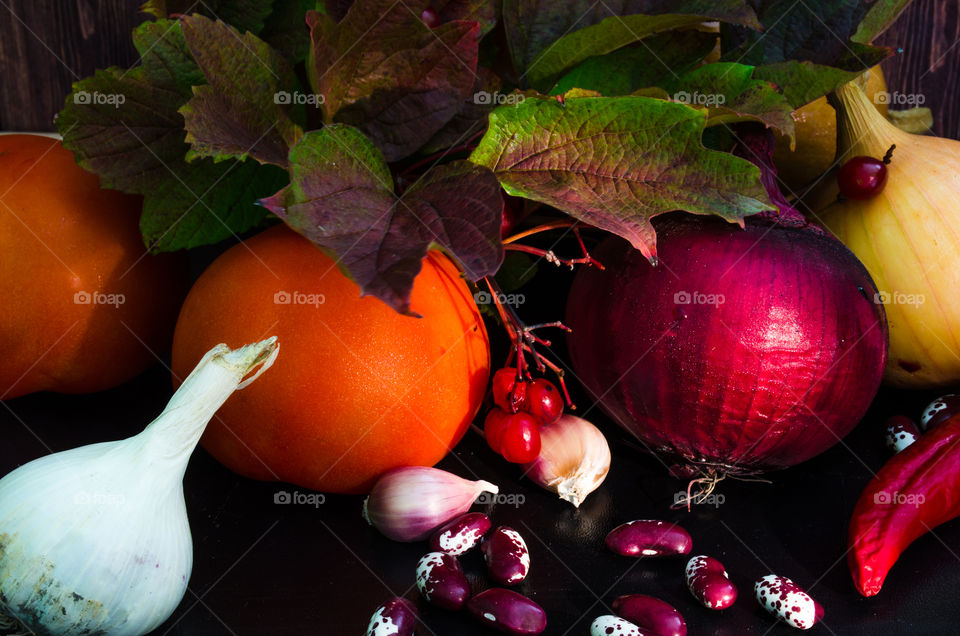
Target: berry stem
x: 887, y: 157
x: 553, y: 225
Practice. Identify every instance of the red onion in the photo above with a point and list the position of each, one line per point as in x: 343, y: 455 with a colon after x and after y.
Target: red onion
x: 744, y: 350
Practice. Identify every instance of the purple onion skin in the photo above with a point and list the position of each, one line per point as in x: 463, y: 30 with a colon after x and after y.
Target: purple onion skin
x: 649, y: 538
x: 507, y: 611
x: 396, y: 617
x: 460, y: 535
x: 441, y: 581
x: 507, y: 557
x: 777, y: 373
x: 651, y: 614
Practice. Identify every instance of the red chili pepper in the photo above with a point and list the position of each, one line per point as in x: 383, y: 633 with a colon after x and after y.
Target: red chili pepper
x: 915, y: 491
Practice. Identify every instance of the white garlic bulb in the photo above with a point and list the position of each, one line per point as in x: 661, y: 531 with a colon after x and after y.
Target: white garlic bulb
x: 95, y: 540
x: 574, y: 459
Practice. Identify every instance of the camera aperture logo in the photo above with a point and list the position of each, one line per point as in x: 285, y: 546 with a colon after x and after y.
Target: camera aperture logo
x: 511, y: 300
x: 284, y: 498
x: 501, y: 499
x: 903, y: 100
x: 97, y: 98
x: 696, y: 98
x: 298, y: 298
x: 715, y: 499
x: 296, y: 98
x: 898, y: 298
x: 98, y: 298
x: 497, y: 99
x: 884, y: 498
x: 698, y: 298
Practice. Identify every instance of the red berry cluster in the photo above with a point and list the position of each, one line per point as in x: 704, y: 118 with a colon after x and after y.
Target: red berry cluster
x: 512, y: 427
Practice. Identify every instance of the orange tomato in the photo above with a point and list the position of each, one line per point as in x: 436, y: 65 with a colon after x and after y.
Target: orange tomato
x: 83, y: 307
x: 357, y: 389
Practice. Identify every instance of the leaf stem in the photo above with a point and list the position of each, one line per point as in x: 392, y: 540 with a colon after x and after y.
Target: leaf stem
x: 553, y: 225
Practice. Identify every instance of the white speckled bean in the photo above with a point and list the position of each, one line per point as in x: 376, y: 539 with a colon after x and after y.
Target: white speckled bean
x: 901, y: 432
x: 707, y: 580
x: 460, y: 535
x: 441, y: 580
x: 787, y: 601
x: 507, y: 557
x: 610, y: 625
x: 396, y: 617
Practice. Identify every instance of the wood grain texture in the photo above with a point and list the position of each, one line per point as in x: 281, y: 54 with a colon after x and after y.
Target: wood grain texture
x: 929, y: 34
x: 46, y: 45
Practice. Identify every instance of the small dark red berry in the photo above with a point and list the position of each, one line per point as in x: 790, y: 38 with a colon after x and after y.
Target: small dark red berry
x: 543, y: 401
x: 508, y: 393
x: 493, y: 426
x: 430, y: 17
x: 862, y: 178
x: 520, y: 442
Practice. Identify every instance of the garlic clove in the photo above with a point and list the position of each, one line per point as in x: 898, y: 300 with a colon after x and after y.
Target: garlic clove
x: 574, y: 459
x: 95, y: 540
x: 409, y: 503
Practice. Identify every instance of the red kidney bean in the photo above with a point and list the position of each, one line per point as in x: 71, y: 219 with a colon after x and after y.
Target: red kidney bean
x: 939, y: 411
x: 787, y: 601
x: 460, y: 535
x: 901, y: 432
x: 610, y: 625
x: 441, y: 580
x: 507, y: 557
x: 507, y: 611
x: 396, y: 617
x: 649, y: 538
x: 651, y: 614
x: 709, y: 583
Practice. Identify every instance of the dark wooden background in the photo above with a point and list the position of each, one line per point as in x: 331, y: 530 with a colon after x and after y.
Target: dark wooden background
x: 45, y: 45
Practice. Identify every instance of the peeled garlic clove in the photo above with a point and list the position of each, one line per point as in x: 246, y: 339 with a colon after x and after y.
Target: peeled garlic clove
x: 410, y: 502
x: 574, y: 459
x: 507, y: 557
x: 507, y: 611
x: 441, y: 580
x: 649, y: 538
x: 95, y: 540
x: 461, y: 535
x: 396, y: 617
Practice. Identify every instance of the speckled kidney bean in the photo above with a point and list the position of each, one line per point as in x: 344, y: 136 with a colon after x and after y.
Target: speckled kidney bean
x: 709, y: 583
x: 610, y: 625
x: 787, y: 601
x: 460, y: 535
x: 396, y: 617
x: 507, y: 611
x: 651, y: 614
x: 939, y: 411
x: 901, y: 432
x: 441, y: 580
x: 649, y: 538
x: 507, y: 557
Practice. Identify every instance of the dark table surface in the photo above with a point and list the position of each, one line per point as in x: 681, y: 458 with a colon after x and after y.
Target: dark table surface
x: 266, y: 568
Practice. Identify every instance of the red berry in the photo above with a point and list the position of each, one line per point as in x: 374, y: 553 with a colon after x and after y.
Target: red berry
x: 520, y: 442
x: 493, y: 426
x: 430, y: 17
x: 543, y: 401
x: 507, y: 392
x: 862, y: 178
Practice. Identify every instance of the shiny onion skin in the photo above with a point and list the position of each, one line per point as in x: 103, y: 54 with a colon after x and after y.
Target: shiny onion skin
x: 915, y: 491
x: 743, y: 351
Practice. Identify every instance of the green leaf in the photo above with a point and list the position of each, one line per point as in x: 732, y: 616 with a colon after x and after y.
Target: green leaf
x: 652, y: 61
x: 286, y: 29
x: 534, y: 27
x: 730, y: 92
x: 483, y: 12
x: 135, y: 142
x: 341, y: 198
x: 615, y: 162
x: 802, y: 82
x: 240, y: 111
x: 818, y: 32
x: 245, y: 15
x: 472, y: 117
x: 599, y: 39
x: 882, y: 14
x: 382, y: 70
